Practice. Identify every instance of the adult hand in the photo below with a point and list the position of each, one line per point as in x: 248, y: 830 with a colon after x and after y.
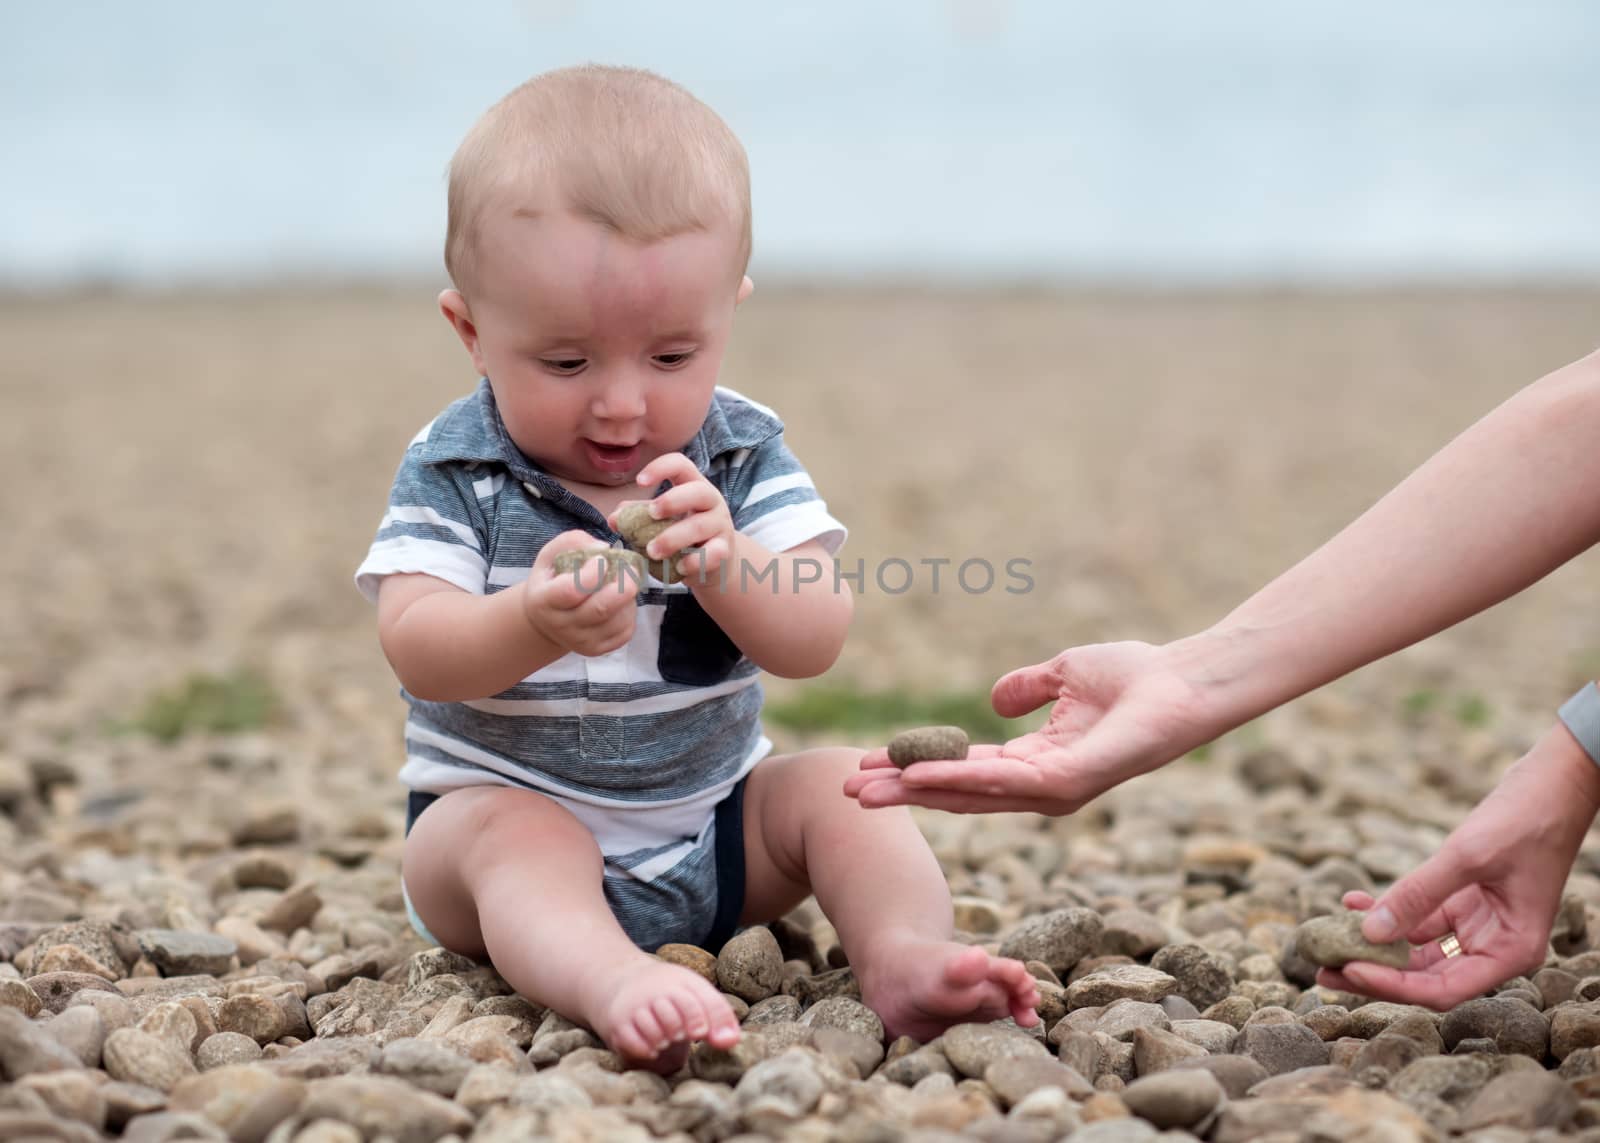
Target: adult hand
x: 1121, y: 709
x: 1495, y: 883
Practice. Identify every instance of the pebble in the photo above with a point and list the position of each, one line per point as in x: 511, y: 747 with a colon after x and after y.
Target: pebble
x: 82, y: 1030
x: 1203, y: 977
x: 135, y: 1056
x: 845, y: 1014
x: 26, y: 1047
x: 1283, y: 1048
x: 1014, y: 1078
x: 1521, y: 1100
x: 615, y: 564
x: 1174, y: 1099
x: 246, y: 1101
x: 971, y: 1048
x: 1123, y: 1018
x: 177, y: 953
x: 55, y: 990
x: 1120, y: 982
x: 750, y: 964
x: 928, y: 743
x: 384, y: 1106
x: 16, y: 994
x: 637, y: 528
x: 1514, y: 1025
x: 692, y: 957
x: 1059, y: 939
x: 1335, y: 941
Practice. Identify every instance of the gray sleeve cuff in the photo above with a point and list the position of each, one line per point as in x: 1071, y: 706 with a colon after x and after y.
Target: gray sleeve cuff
x: 1581, y: 715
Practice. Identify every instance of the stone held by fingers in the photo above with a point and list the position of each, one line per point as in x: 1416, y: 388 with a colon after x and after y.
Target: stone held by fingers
x: 928, y: 744
x: 1335, y: 941
x: 637, y: 528
x: 618, y: 562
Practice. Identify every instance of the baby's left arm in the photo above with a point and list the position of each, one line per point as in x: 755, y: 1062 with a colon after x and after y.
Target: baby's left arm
x: 786, y: 611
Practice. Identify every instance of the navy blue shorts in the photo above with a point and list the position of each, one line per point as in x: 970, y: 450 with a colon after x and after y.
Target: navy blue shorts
x: 728, y: 855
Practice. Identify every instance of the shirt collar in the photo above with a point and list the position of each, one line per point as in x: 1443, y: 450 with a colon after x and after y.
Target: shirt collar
x: 471, y: 430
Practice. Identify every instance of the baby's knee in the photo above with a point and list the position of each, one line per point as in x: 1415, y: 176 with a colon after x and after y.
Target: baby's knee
x: 840, y: 760
x: 808, y: 777
x: 475, y: 828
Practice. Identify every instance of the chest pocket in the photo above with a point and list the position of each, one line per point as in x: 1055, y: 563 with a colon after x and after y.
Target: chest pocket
x: 694, y: 650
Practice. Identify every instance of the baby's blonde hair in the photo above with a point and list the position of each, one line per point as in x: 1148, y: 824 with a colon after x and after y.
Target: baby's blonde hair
x: 620, y: 146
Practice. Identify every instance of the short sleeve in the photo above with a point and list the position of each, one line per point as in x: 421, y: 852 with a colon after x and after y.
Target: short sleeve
x: 776, y: 504
x: 433, y: 527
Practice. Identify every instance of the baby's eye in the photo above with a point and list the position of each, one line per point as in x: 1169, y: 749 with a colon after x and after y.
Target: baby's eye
x: 673, y: 360
x: 564, y: 364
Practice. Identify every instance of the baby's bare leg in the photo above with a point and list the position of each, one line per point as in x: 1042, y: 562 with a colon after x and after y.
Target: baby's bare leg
x: 880, y: 885
x: 510, y: 874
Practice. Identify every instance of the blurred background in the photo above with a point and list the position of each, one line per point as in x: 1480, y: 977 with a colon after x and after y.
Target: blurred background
x: 991, y: 140
x: 1157, y: 296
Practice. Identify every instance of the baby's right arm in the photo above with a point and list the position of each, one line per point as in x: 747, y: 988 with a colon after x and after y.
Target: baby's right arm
x: 450, y: 645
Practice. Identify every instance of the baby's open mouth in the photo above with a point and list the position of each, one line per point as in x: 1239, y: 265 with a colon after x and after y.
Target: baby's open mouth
x: 611, y: 457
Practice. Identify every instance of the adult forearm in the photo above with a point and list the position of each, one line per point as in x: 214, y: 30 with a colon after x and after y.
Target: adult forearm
x: 1502, y: 505
x: 452, y: 646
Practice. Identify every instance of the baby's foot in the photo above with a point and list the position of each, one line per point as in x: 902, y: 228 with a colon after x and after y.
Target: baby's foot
x: 920, y: 987
x: 648, y: 1011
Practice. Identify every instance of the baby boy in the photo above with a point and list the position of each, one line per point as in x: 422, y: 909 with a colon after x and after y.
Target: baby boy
x: 588, y: 777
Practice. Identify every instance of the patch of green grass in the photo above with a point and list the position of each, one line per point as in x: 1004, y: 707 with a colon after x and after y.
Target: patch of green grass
x: 846, y: 709
x: 1471, y: 710
x: 218, y: 704
x: 1418, y: 703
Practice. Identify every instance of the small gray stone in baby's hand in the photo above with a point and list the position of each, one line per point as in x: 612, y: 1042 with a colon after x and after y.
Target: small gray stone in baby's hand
x: 614, y: 559
x: 637, y: 528
x: 1335, y: 941
x: 928, y: 744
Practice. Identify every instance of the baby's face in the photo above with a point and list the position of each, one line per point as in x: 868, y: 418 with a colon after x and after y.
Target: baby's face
x: 602, y: 352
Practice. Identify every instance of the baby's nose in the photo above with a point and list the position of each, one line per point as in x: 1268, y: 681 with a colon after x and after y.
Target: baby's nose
x: 619, y: 398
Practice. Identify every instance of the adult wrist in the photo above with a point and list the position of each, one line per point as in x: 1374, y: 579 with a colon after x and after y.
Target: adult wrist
x: 1223, y: 671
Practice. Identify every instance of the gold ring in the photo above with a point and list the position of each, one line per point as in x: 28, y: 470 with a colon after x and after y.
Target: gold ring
x: 1449, y: 945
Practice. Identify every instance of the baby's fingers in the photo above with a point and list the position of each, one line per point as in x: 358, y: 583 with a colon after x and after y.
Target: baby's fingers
x: 672, y: 466
x: 690, y: 532
x: 682, y: 499
x: 603, y: 602
x: 573, y: 540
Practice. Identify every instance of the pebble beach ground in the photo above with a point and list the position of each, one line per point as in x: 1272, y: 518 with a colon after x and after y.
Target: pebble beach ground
x: 201, y: 931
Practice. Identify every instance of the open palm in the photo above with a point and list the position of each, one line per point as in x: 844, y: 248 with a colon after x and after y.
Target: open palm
x: 1118, y: 711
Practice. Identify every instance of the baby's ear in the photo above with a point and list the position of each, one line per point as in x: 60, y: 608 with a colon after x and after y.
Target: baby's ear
x: 454, y: 307
x: 746, y: 288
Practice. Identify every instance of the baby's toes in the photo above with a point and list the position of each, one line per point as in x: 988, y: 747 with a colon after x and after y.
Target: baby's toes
x: 968, y: 967
x: 722, y: 1026
x: 669, y: 1019
x: 1012, y: 976
x: 638, y: 1034
x: 691, y: 1014
x: 1021, y: 990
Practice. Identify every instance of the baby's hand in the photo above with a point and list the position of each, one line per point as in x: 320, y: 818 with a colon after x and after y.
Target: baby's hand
x: 572, y: 609
x: 706, y: 527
